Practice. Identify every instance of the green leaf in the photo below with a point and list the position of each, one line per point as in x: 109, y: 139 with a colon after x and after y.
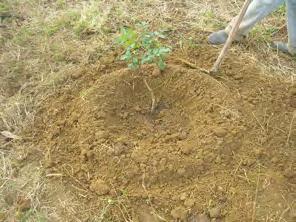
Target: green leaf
x: 135, y: 61
x: 133, y: 45
x: 143, y: 25
x: 147, y: 58
x: 161, y: 64
x: 164, y: 50
x: 160, y: 35
x: 128, y: 36
x: 142, y: 46
x: 126, y: 56
x: 147, y: 41
x: 134, y: 64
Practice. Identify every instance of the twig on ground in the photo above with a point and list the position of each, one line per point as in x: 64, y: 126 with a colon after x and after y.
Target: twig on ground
x: 150, y: 202
x: 191, y: 65
x: 257, y: 120
x: 255, y: 200
x: 54, y: 175
x: 290, y: 128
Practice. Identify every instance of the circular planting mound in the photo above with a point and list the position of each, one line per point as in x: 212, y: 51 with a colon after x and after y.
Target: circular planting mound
x: 202, y: 150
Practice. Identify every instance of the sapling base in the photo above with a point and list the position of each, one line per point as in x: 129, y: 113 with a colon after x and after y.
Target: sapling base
x: 153, y: 100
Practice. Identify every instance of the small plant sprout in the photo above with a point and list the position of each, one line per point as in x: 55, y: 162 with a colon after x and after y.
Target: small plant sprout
x: 142, y: 46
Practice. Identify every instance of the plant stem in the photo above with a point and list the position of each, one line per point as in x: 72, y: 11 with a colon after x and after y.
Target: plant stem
x: 153, y: 103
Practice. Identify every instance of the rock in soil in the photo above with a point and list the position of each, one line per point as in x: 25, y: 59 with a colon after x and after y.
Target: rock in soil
x: 183, y: 196
x: 219, y: 132
x: 10, y: 135
x: 182, y: 136
x: 199, y: 218
x: 186, y: 150
x: 100, y: 187
x: 23, y: 204
x: 179, y: 213
x: 215, y: 212
x: 181, y: 172
x: 189, y: 203
x: 156, y: 72
x: 145, y: 214
x: 289, y: 173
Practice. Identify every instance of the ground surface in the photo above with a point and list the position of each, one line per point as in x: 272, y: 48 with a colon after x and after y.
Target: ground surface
x: 79, y: 142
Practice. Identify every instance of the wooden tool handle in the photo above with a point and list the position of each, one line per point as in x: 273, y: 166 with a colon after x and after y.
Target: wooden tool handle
x: 231, y: 37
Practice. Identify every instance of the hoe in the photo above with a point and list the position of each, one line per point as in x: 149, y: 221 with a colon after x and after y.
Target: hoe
x: 230, y: 39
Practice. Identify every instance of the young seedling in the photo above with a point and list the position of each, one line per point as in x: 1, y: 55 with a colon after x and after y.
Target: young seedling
x: 142, y: 46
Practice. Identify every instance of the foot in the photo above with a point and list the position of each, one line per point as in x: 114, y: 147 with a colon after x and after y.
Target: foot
x: 281, y: 46
x: 218, y: 38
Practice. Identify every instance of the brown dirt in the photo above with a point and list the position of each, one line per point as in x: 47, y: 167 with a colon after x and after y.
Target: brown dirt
x: 220, y: 146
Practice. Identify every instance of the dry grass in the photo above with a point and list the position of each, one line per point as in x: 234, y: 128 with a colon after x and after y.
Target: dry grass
x: 42, y: 42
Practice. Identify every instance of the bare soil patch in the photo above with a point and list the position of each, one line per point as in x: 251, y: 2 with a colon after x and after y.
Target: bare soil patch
x: 220, y: 148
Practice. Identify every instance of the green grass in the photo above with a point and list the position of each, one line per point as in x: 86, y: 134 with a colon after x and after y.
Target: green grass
x: 262, y: 33
x: 212, y: 20
x: 61, y: 4
x: 4, y: 8
x: 79, y: 21
x: 281, y: 11
x: 23, y: 36
x: 31, y: 215
x: 66, y: 20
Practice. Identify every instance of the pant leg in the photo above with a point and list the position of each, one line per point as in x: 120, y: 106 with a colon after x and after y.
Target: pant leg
x: 291, y: 7
x: 257, y: 10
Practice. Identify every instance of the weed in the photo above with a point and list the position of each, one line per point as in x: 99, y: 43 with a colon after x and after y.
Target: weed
x: 210, y: 19
x: 281, y: 11
x: 4, y: 7
x: 263, y: 34
x: 89, y: 19
x: 61, y: 4
x: 66, y: 20
x: 187, y: 43
x: 5, y: 12
x: 31, y: 215
x: 23, y: 36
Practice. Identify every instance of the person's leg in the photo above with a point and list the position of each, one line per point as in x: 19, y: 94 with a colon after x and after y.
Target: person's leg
x: 289, y: 47
x: 291, y: 5
x: 257, y: 10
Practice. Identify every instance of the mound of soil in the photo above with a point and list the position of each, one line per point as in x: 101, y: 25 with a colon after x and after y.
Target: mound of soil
x: 224, y: 148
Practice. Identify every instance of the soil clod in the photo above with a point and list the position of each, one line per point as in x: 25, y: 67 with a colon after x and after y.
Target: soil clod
x: 219, y: 132
x: 189, y: 202
x: 179, y: 213
x: 100, y: 187
x: 23, y: 204
x: 215, y: 212
x: 199, y: 218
